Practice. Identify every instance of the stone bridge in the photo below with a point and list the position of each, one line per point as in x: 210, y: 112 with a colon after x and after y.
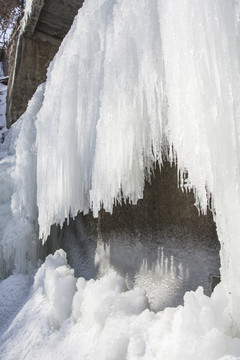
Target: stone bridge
x: 31, y: 50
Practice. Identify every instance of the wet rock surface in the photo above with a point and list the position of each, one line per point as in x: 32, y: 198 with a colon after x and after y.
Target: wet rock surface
x: 161, y: 244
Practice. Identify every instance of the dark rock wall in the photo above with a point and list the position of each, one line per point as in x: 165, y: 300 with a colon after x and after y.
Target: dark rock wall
x: 31, y: 52
x: 163, y: 233
x: 56, y: 17
x: 3, y: 60
x: 33, y: 57
x: 164, y: 206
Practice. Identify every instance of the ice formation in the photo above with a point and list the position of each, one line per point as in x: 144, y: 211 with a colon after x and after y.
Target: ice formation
x: 110, y: 117
x: 132, y: 82
x: 18, y: 209
x: 128, y: 90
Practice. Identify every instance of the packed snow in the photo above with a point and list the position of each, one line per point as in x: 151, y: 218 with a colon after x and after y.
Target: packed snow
x: 132, y: 82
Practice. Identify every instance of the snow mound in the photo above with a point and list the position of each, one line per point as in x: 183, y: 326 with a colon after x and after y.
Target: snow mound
x: 103, y: 320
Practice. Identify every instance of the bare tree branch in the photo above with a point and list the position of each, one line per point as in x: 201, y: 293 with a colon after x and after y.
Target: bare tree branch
x: 10, y: 12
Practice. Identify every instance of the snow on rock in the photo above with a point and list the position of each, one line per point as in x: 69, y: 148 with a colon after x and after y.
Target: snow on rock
x: 28, y: 9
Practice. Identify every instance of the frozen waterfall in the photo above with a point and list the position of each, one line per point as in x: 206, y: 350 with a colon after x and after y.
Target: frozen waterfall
x: 133, y: 83
x: 130, y: 93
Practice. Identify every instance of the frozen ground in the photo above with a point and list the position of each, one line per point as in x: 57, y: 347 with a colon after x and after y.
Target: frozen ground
x: 13, y: 295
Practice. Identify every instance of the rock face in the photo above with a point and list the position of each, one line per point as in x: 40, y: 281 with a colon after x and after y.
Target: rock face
x: 161, y: 244
x: 31, y: 51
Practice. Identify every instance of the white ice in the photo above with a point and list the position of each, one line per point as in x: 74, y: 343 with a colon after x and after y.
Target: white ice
x: 133, y: 90
x: 18, y: 209
x: 130, y: 80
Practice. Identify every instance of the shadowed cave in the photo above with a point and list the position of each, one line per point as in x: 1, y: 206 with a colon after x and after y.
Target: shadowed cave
x: 161, y: 244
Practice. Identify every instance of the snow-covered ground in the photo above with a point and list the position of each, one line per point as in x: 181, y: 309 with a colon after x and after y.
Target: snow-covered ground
x: 68, y: 318
x: 130, y: 79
